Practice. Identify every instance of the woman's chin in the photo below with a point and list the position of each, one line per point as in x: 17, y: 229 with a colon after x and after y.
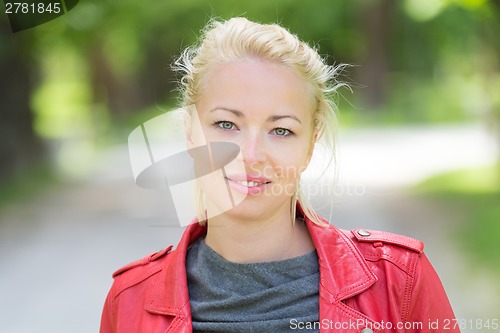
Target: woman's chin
x: 252, y: 208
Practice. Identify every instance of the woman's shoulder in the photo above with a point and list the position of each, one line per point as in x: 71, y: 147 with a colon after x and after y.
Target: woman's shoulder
x: 379, y: 238
x: 140, y: 270
x: 376, y: 245
x: 142, y: 262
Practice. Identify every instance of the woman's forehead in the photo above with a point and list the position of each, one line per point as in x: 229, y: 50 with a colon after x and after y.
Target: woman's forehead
x: 255, y: 84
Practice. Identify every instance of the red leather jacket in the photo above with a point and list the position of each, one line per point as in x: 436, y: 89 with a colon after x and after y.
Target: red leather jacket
x: 370, y: 281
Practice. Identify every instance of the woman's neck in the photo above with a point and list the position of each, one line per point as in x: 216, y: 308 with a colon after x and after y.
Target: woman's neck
x: 272, y: 238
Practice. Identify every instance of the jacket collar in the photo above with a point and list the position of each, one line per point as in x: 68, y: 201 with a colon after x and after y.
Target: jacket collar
x: 170, y: 295
x: 343, y: 270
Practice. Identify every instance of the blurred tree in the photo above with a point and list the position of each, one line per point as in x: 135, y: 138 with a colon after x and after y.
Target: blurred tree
x: 374, y: 19
x: 417, y: 60
x: 19, y: 146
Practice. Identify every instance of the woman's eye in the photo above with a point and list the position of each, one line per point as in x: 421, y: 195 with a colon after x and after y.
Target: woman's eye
x: 227, y: 125
x: 282, y: 131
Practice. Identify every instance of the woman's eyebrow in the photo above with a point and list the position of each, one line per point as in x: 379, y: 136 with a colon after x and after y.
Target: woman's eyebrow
x: 240, y: 114
x: 278, y: 117
x: 237, y: 113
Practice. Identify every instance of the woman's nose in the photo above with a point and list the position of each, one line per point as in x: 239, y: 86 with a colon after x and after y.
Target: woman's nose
x: 253, y: 149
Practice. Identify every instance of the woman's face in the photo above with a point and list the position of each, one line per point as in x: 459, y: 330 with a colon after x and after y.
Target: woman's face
x: 266, y: 109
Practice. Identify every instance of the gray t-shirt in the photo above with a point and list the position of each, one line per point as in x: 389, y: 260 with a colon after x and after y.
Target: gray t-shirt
x: 261, y: 297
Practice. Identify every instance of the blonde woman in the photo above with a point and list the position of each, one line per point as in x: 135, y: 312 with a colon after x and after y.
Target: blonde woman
x: 267, y: 262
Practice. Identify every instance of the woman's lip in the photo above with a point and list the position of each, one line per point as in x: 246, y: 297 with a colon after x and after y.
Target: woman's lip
x: 247, y: 178
x: 245, y: 189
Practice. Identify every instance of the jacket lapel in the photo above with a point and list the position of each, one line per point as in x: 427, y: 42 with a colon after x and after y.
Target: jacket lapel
x: 169, y: 296
x: 343, y: 274
x: 343, y: 270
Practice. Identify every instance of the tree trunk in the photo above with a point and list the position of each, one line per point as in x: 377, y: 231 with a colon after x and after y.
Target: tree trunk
x: 19, y: 146
x: 372, y: 72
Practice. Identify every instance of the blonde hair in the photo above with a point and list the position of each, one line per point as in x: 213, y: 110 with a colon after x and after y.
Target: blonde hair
x: 239, y: 38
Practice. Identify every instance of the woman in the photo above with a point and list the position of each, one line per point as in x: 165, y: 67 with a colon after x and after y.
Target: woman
x: 257, y: 258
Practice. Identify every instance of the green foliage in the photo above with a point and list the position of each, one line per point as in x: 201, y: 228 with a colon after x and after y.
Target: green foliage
x: 26, y: 183
x: 482, y: 181
x: 474, y: 195
x: 139, y: 40
x: 107, y: 61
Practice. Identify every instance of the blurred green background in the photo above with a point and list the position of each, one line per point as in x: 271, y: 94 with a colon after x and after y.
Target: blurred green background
x: 88, y: 78
x: 106, y: 62
x: 78, y: 85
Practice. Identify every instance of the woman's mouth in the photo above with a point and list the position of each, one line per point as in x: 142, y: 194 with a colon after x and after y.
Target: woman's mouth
x: 249, y: 186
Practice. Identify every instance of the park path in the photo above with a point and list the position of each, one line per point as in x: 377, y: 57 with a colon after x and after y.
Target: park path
x: 59, y: 248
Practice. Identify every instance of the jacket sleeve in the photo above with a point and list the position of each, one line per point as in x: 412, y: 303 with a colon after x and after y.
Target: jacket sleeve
x: 428, y: 307
x: 108, y: 318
